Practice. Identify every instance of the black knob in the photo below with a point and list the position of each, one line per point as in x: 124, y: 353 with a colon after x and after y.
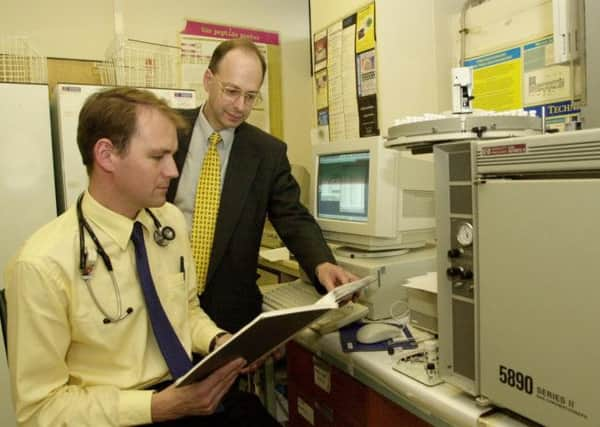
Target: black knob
x: 455, y: 252
x: 467, y: 274
x: 454, y: 271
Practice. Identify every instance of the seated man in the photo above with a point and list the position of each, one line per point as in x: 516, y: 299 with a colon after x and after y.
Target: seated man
x: 102, y: 305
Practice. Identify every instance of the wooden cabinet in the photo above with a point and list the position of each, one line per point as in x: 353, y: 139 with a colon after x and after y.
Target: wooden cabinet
x: 321, y: 395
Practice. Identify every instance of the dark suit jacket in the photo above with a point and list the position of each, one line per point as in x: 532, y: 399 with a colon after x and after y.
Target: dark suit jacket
x: 257, y: 182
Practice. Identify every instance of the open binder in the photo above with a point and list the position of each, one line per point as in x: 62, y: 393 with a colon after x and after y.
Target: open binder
x: 269, y: 330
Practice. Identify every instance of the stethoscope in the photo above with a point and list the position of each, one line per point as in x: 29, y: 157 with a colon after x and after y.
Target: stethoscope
x: 162, y: 236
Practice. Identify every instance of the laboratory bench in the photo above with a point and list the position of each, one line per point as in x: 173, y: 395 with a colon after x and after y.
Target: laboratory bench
x: 328, y: 387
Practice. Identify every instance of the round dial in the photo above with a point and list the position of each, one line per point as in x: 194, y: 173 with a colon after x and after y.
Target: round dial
x: 464, y: 236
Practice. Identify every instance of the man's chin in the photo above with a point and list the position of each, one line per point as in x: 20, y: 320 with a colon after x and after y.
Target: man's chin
x: 232, y: 122
x: 158, y: 201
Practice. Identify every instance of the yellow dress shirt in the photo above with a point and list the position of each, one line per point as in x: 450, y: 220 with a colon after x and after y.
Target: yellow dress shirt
x: 67, y: 366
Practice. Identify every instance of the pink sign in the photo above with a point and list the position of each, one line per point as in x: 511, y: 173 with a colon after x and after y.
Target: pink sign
x: 204, y: 29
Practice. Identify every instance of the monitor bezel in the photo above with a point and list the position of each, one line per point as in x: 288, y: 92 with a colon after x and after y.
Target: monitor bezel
x: 383, y: 203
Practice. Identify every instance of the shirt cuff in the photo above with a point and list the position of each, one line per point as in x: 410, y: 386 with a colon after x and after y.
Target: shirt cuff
x: 202, y: 340
x: 135, y: 407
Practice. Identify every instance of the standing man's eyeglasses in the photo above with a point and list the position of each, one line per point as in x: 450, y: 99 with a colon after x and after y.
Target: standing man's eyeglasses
x: 232, y: 93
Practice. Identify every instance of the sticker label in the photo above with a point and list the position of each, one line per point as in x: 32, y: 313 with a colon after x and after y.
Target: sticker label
x: 306, y: 411
x: 322, y: 375
x: 504, y: 149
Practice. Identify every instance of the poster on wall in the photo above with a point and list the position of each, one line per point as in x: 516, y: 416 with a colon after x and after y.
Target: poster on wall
x: 320, y: 51
x: 544, y: 82
x: 321, y: 82
x: 349, y: 90
x: 548, y: 87
x: 366, y: 77
x: 497, y: 80
x: 365, y: 30
x: 345, y: 80
x: 335, y: 85
x: 198, y: 40
x: 367, y: 109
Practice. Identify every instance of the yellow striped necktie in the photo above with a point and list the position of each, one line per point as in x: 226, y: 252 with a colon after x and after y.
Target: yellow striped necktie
x: 206, y: 207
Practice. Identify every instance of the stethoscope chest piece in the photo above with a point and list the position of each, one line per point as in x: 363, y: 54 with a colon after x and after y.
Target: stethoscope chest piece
x: 163, y: 235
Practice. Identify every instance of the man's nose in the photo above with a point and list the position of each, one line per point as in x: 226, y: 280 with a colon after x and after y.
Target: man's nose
x: 170, y: 169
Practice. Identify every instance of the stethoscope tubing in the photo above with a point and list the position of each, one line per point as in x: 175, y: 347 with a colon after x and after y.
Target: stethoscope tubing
x: 162, y: 237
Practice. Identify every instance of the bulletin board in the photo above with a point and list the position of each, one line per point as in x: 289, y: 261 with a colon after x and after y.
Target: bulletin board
x: 525, y: 77
x: 199, y: 39
x: 344, y: 74
x: 516, y: 70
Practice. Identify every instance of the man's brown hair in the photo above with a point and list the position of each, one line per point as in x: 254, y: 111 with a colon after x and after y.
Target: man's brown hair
x: 112, y: 114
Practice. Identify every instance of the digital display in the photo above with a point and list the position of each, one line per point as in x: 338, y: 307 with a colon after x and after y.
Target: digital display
x: 343, y: 186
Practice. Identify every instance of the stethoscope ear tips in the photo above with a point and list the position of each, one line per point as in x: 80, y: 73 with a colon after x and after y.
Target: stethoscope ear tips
x: 106, y: 320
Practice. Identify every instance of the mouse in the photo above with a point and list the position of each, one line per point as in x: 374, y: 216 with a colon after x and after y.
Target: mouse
x: 375, y: 332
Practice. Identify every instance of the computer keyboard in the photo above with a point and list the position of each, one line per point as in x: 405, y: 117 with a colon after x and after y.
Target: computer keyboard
x: 298, y: 293
x: 290, y: 294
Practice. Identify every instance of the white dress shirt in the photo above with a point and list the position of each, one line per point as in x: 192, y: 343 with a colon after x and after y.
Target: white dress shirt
x: 185, y: 198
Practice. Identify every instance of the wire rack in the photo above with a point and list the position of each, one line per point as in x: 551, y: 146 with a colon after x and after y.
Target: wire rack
x: 142, y: 64
x: 19, y: 62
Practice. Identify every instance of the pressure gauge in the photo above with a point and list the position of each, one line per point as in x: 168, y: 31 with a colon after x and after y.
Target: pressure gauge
x: 464, y: 236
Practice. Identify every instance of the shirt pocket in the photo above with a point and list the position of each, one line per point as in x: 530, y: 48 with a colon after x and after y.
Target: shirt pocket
x: 172, y: 290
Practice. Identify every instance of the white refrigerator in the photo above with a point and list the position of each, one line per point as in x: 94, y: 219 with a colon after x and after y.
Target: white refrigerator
x: 26, y: 167
x: 67, y: 100
x: 26, y: 185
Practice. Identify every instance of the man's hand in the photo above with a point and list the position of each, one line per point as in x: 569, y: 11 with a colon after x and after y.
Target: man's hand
x: 222, y: 340
x: 331, y: 275
x: 201, y: 398
x: 276, y: 354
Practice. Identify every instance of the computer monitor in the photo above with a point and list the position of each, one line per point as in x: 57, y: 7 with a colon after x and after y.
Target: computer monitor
x: 371, y: 198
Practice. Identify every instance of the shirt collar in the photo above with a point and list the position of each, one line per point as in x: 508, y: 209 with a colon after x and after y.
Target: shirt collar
x: 206, y: 129
x: 114, y: 225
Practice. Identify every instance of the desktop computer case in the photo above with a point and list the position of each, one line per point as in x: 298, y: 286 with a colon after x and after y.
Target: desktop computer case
x: 519, y: 307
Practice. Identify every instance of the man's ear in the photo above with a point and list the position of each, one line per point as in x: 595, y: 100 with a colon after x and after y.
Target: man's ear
x: 103, y: 154
x: 207, y: 75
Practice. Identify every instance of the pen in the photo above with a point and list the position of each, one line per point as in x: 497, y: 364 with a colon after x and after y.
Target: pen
x: 182, y: 266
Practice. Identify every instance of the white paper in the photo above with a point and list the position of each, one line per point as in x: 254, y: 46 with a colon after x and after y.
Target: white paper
x: 340, y: 293
x: 274, y: 255
x: 426, y: 282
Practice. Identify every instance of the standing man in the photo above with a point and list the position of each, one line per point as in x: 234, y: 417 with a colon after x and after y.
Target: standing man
x: 102, y: 305
x: 253, y: 180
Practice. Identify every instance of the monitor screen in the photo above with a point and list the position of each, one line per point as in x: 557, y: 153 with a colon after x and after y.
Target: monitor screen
x: 343, y: 186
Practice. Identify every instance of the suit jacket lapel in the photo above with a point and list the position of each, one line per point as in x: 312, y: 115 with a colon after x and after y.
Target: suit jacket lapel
x: 184, y: 138
x: 241, y: 170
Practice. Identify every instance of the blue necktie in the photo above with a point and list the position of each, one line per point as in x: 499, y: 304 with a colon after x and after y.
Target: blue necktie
x: 170, y: 346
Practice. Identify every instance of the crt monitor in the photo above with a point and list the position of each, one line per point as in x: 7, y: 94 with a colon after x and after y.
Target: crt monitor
x: 372, y: 198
